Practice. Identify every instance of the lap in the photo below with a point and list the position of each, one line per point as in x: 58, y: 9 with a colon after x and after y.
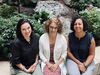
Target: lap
x: 47, y: 71
x: 73, y: 69
x: 20, y: 72
x: 37, y: 71
x: 90, y: 69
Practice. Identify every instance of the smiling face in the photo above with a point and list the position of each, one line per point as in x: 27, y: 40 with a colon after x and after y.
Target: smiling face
x: 26, y: 30
x: 78, y: 25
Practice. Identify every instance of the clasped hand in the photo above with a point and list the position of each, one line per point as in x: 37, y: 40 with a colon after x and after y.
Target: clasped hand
x: 31, y: 69
x: 52, y: 67
x: 82, y: 67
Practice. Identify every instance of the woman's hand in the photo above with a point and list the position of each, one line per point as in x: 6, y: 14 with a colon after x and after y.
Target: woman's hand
x: 49, y: 65
x: 32, y: 68
x: 54, y: 67
x: 82, y: 67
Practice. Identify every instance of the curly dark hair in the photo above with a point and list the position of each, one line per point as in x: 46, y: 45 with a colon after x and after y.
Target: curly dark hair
x: 85, y: 24
x: 55, y: 20
x: 18, y: 27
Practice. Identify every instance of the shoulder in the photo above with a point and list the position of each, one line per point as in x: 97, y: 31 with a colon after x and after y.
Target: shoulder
x: 16, y: 43
x: 61, y: 37
x: 35, y: 37
x: 44, y: 36
x: 89, y: 36
x: 71, y: 35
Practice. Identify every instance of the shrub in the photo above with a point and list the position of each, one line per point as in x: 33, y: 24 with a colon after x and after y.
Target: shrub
x: 93, y: 18
x: 6, y: 10
x: 8, y: 30
x: 41, y: 16
x: 96, y: 3
x: 23, y: 2
x: 80, y: 4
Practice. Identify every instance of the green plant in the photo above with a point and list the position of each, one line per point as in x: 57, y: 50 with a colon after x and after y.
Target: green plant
x: 80, y: 4
x: 23, y: 2
x: 41, y: 16
x: 6, y: 10
x: 8, y: 30
x: 96, y: 3
x: 93, y: 18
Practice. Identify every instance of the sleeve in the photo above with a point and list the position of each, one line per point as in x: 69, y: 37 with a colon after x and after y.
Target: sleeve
x: 90, y: 36
x: 36, y: 39
x: 41, y: 51
x: 15, y: 51
x: 64, y: 48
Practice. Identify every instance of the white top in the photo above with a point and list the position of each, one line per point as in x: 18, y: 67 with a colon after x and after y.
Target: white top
x: 60, y: 50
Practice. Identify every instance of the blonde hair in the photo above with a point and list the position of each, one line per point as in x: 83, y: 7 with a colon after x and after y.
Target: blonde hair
x: 56, y: 21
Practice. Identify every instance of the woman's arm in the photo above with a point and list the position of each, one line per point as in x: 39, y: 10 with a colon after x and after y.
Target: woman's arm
x: 91, y: 53
x: 33, y: 66
x: 81, y: 65
x: 22, y: 67
x: 63, y: 54
x: 72, y: 57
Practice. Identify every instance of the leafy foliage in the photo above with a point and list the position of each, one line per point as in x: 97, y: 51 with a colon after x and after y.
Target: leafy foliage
x: 6, y: 11
x: 96, y: 3
x: 41, y: 16
x: 93, y: 18
x: 8, y: 28
x: 81, y: 4
x: 23, y: 2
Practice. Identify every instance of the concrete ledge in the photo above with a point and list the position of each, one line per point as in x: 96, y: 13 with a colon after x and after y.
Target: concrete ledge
x: 97, y: 61
x: 4, y: 68
x: 97, y: 69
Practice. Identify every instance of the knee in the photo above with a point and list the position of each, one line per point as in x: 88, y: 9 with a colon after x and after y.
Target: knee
x: 73, y: 73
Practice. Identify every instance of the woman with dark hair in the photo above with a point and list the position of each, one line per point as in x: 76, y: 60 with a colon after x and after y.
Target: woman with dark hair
x: 25, y: 50
x: 81, y: 49
x: 53, y: 48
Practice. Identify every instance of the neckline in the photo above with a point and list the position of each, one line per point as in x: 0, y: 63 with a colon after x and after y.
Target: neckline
x: 81, y: 37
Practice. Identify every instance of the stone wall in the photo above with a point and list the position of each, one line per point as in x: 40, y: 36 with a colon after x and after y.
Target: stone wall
x: 55, y: 8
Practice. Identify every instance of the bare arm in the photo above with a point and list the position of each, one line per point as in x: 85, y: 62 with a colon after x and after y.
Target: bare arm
x: 91, y: 53
x: 33, y: 66
x: 22, y: 67
x: 71, y: 55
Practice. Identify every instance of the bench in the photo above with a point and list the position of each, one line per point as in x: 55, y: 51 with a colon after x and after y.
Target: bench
x: 97, y: 61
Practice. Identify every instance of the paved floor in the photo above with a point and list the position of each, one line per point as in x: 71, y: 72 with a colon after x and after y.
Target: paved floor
x: 5, y: 66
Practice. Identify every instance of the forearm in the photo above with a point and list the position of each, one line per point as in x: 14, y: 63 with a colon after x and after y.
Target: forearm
x: 89, y: 60
x: 73, y: 58
x: 22, y: 67
x: 36, y: 62
x: 60, y: 61
x: 91, y: 53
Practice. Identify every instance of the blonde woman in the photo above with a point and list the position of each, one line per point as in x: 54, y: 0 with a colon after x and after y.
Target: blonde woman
x: 53, y: 48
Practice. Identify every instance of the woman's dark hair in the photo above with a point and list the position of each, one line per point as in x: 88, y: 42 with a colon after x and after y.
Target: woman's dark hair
x: 55, y: 20
x: 85, y: 24
x: 18, y: 30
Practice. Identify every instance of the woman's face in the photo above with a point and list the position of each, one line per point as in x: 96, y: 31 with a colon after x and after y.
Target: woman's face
x: 53, y: 28
x: 26, y: 29
x: 78, y: 25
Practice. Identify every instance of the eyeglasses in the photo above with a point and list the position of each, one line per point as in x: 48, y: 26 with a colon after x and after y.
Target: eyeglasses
x: 53, y: 27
